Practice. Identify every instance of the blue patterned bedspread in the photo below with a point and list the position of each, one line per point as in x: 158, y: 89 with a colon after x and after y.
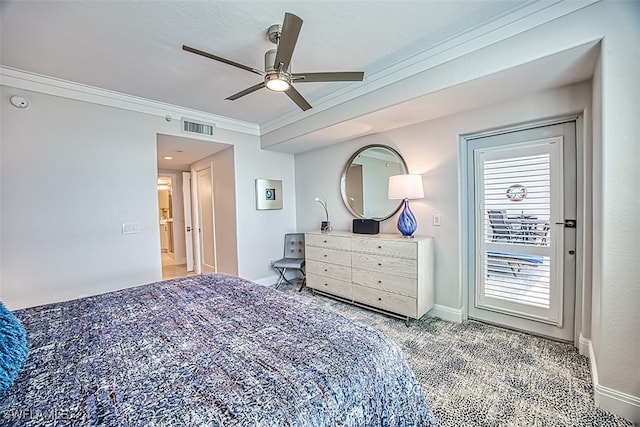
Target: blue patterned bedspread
x: 211, y: 350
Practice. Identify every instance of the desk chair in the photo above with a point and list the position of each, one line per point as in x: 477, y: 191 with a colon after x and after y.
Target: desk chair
x: 293, y: 258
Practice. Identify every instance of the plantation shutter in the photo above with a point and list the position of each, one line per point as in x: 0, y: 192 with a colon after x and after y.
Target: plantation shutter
x: 516, y: 253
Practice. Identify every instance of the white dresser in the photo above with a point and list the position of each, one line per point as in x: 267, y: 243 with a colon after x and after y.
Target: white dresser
x: 384, y: 272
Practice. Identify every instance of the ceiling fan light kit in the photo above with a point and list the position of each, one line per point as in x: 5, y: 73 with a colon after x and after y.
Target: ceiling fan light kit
x: 277, y: 74
x: 278, y: 82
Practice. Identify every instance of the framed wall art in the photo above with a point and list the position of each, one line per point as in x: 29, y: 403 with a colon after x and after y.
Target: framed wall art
x: 268, y: 194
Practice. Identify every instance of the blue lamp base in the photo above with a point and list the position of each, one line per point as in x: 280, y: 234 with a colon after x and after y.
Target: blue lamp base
x: 407, y: 223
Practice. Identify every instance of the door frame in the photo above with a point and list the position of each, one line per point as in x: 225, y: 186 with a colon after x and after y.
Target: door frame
x: 467, y: 250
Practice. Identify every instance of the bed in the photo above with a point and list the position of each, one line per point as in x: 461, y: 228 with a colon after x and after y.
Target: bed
x: 207, y: 350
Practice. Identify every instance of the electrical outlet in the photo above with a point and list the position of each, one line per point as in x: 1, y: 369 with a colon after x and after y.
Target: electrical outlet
x: 436, y: 220
x: 270, y: 263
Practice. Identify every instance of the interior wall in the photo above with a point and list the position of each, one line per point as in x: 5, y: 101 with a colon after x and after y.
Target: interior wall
x: 430, y: 149
x: 73, y: 172
x: 261, y: 232
x: 616, y: 208
x: 615, y: 228
x: 249, y: 238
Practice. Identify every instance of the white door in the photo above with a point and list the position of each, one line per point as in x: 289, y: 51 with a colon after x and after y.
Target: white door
x: 524, y: 257
x: 188, y: 227
x: 206, y: 221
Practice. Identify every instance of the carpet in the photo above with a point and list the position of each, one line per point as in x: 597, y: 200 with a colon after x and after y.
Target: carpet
x: 474, y: 374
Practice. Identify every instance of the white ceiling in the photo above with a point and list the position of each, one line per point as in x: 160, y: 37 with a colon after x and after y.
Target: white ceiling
x: 135, y: 47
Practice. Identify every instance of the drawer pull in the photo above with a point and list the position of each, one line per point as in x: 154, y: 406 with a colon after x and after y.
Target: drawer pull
x: 325, y: 255
x: 380, y: 264
x: 379, y: 247
x: 325, y: 241
x: 325, y: 270
x: 379, y: 299
x: 379, y: 281
x: 326, y: 284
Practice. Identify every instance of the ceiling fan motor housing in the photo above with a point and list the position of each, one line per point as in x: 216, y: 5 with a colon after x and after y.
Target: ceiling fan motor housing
x: 269, y: 59
x: 274, y: 32
x: 269, y: 63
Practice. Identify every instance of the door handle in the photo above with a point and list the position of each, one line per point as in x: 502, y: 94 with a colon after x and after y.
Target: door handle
x: 188, y: 229
x: 568, y: 223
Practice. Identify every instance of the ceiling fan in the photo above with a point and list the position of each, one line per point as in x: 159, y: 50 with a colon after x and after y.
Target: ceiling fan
x: 277, y: 69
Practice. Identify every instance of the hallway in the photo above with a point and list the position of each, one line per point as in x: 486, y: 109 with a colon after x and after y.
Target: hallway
x: 172, y: 271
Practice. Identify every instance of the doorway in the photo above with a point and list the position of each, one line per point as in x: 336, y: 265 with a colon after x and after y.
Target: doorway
x: 165, y: 214
x: 522, y: 229
x: 183, y: 158
x: 171, y: 225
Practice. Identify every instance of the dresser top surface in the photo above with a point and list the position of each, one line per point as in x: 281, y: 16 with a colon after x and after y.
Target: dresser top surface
x: 381, y: 236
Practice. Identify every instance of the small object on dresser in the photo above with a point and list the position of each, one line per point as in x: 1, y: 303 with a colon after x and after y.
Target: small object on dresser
x: 366, y: 226
x: 325, y: 226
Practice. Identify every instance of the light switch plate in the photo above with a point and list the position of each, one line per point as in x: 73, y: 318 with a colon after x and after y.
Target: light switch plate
x: 131, y: 228
x: 436, y: 220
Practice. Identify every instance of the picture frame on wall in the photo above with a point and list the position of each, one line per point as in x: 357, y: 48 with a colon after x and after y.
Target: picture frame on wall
x: 268, y: 194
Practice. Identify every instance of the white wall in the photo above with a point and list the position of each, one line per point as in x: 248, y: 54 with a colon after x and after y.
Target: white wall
x: 261, y: 232
x: 612, y: 334
x: 618, y: 271
x: 72, y: 172
x: 430, y: 149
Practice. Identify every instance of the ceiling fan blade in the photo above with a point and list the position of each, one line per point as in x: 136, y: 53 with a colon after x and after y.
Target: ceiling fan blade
x: 344, y: 76
x: 297, y: 98
x: 224, y: 60
x: 247, y: 91
x: 289, y: 36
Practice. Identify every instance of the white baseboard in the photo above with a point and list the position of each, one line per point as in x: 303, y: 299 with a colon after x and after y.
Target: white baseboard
x: 622, y: 404
x: 266, y: 281
x: 446, y: 313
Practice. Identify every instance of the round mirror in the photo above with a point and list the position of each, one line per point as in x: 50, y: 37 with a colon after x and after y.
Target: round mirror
x: 365, y: 182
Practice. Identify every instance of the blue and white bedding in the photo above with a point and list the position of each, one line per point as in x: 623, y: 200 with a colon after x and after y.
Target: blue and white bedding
x: 207, y: 350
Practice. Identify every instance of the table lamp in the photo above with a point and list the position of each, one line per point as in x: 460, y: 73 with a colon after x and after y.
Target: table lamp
x: 406, y: 187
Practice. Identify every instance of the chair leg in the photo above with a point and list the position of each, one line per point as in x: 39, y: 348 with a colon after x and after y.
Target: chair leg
x: 304, y: 282
x: 281, y: 279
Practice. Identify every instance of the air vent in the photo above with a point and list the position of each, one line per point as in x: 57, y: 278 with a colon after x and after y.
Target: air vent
x: 192, y: 126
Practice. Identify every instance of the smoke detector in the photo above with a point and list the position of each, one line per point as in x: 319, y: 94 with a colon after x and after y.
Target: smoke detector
x: 19, y: 102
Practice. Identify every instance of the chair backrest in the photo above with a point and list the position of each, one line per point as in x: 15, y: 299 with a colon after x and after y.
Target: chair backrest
x: 498, y: 222
x: 294, y: 245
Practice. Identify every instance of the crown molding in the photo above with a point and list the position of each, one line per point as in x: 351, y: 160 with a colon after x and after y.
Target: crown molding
x: 512, y: 23
x: 57, y: 87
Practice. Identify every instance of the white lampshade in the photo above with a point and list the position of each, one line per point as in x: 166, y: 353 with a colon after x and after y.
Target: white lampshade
x: 405, y: 187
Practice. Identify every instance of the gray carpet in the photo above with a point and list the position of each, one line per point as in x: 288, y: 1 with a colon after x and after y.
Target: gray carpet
x: 479, y: 375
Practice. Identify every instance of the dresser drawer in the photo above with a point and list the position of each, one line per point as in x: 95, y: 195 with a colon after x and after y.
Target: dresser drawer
x: 385, y: 282
x: 329, y: 285
x: 389, y: 248
x: 395, y: 303
x: 332, y: 256
x: 335, y: 271
x: 328, y: 241
x: 388, y: 265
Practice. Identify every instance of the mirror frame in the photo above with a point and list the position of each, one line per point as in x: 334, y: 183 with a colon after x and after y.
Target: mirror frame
x: 343, y: 181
